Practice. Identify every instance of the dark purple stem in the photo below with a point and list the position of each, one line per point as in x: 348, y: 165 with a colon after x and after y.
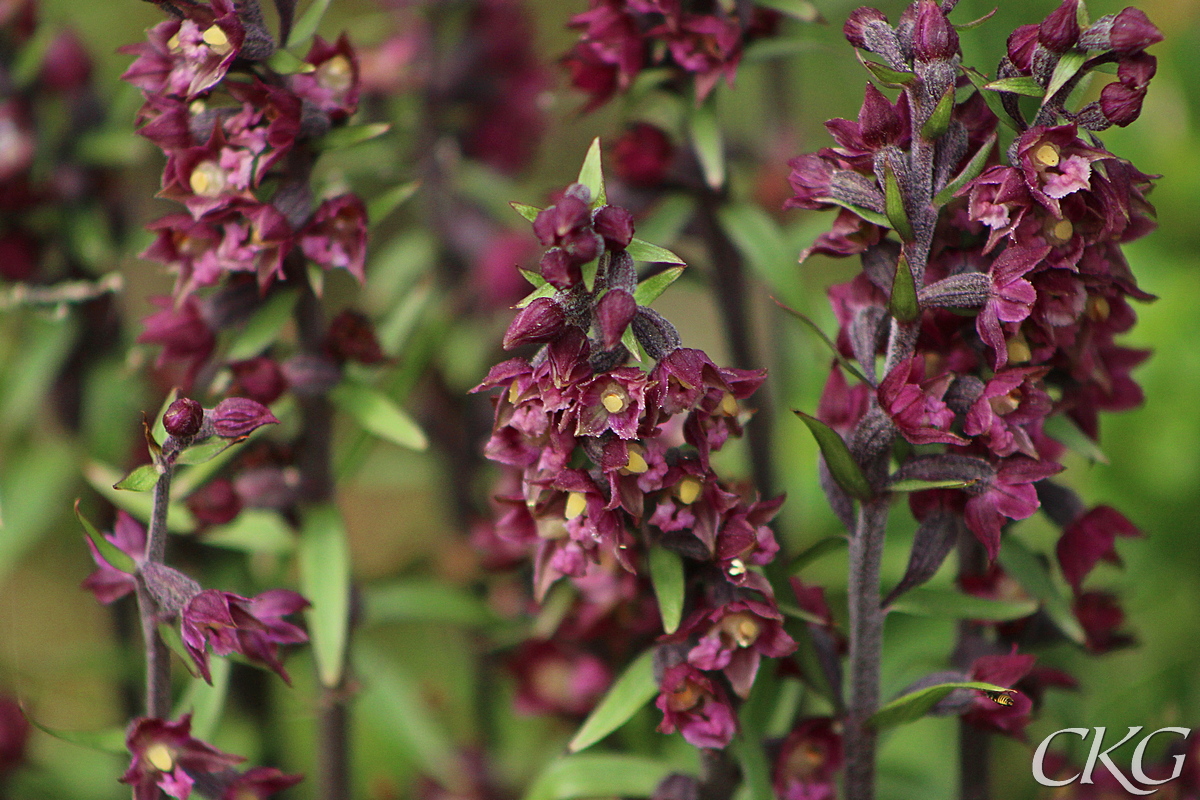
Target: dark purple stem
x: 158, y: 657
x: 974, y: 752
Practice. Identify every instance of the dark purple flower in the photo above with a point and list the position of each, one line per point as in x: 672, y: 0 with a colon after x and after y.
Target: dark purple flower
x: 166, y: 757
x: 1001, y: 671
x: 332, y: 85
x: 1100, y: 616
x: 187, y: 57
x: 215, y: 503
x: 351, y: 337
x: 1012, y: 298
x: 734, y: 637
x: 915, y: 405
x: 1009, y: 494
x: 696, y: 707
x: 231, y: 623
x: 933, y: 37
x: 1011, y: 400
x: 1132, y: 31
x: 109, y: 583
x: 553, y: 678
x: 539, y: 322
x: 1089, y: 540
x: 643, y: 155
x: 336, y: 236
x: 261, y: 379
x: 1059, y: 32
x: 808, y: 762
x: 238, y: 417
x: 184, y: 333
x: 258, y: 783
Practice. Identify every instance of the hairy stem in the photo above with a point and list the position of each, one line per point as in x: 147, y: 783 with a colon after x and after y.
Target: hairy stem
x: 158, y: 657
x: 974, y: 767
x: 866, y: 646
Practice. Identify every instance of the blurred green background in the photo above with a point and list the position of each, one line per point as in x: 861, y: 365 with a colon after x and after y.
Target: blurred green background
x: 56, y: 645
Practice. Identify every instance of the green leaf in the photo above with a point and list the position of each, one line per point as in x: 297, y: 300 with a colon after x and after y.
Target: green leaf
x: 1021, y: 84
x: 528, y: 212
x: 142, y: 479
x: 169, y: 633
x: 325, y: 581
x: 916, y: 485
x: 545, y: 290
x: 815, y: 552
x: 756, y: 770
x: 708, y: 142
x: 650, y: 289
x: 1068, y: 67
x: 1033, y: 575
x: 378, y: 413
x: 599, y: 775
x: 979, y: 81
x: 205, y: 451
x: 255, y: 530
x: 886, y: 75
x: 35, y: 483
x: 913, y: 706
x: 286, y: 63
x: 757, y: 237
x: 873, y: 217
x: 842, y: 466
x: 422, y: 600
x: 108, y: 740
x: 903, y: 303
x: 803, y: 10
x: 101, y: 477
x: 897, y: 215
x: 591, y: 174
x: 380, y: 207
x: 534, y: 278
x: 939, y: 120
x: 951, y: 604
x: 308, y: 23
x: 666, y: 573
x: 652, y: 253
x: 204, y: 702
x: 114, y: 555
x: 841, y: 359
x: 776, y: 47
x: 630, y: 692
x: 1063, y: 428
x: 399, y: 696
x: 341, y: 138
x: 969, y: 173
x: 29, y: 60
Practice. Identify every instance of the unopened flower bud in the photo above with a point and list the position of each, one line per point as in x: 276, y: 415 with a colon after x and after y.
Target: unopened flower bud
x: 859, y: 23
x: 1059, y: 32
x: 615, y: 224
x: 933, y: 38
x: 183, y: 418
x: 539, y: 322
x: 613, y: 313
x: 1021, y: 44
x: 643, y: 155
x: 238, y: 417
x: 215, y: 503
x: 1133, y: 31
x: 654, y: 333
x: 351, y: 338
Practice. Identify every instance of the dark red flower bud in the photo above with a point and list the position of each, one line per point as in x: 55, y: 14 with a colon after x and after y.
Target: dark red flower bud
x: 66, y: 65
x: 1133, y: 31
x: 858, y: 24
x: 878, y: 120
x: 1121, y: 104
x: 237, y: 417
x: 14, y: 733
x: 1021, y: 43
x: 615, y: 224
x: 643, y: 155
x: 560, y: 269
x: 557, y: 222
x: 614, y: 312
x: 540, y: 321
x: 260, y: 379
x: 215, y: 503
x: 1059, y: 32
x: 933, y: 38
x: 352, y: 338
x: 183, y: 418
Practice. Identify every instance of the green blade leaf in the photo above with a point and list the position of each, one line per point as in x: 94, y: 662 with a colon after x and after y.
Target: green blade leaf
x: 803, y: 10
x: 815, y: 552
x: 545, y: 290
x: 842, y: 466
x: 903, y: 304
x: 979, y: 81
x: 383, y: 205
x: 263, y: 327
x: 916, y: 485
x: 951, y: 604
x: 528, y: 212
x: 1021, y: 84
x: 630, y: 692
x: 1067, y: 67
x: 841, y: 359
x: 894, y: 205
x: 969, y: 173
x: 913, y: 706
x: 1062, y: 428
x: 378, y: 413
x: 101, y: 477
x: 308, y: 23
x: 205, y: 451
x: 325, y: 581
x: 349, y: 136
x: 534, y: 278
x: 1029, y: 571
x: 708, y: 142
x: 652, y: 253
x: 114, y: 555
x: 255, y: 530
x: 666, y: 573
x: 758, y: 237
x: 420, y: 600
x: 596, y: 775
x: 205, y: 703
x: 591, y: 174
x: 649, y: 290
x: 108, y: 740
x: 756, y: 770
x: 886, y: 75
x: 142, y: 479
x: 939, y: 120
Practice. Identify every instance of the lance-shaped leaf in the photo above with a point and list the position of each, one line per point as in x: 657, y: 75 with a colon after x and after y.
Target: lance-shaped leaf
x: 420, y: 600
x: 886, y: 75
x: 873, y: 217
x: 325, y: 581
x: 914, y: 705
x: 308, y: 23
x: 115, y: 556
x: 951, y: 604
x: 205, y: 702
x: 650, y: 289
x: 1068, y: 67
x: 599, y: 775
x: 630, y: 692
x: 935, y: 537
x: 378, y: 413
x: 969, y: 173
x: 107, y: 740
x: 833, y: 349
x: 939, y: 120
x: 381, y: 206
x: 527, y: 211
x: 591, y: 174
x: 1021, y: 84
x: 842, y: 466
x: 893, y: 199
x: 651, y: 253
x: 815, y: 552
x: 1062, y: 428
x: 903, y: 304
x: 979, y: 81
x: 351, y: 135
x: 756, y: 769
x: 141, y: 479
x: 101, y: 477
x: 263, y: 327
x: 666, y: 573
x: 708, y: 142
x: 1034, y: 576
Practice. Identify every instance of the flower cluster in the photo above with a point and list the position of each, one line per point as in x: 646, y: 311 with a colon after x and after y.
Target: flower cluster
x: 998, y: 310
x: 613, y: 468
x: 620, y: 38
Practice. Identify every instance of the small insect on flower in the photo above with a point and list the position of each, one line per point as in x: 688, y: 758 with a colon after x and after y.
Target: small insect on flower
x: 1001, y: 698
